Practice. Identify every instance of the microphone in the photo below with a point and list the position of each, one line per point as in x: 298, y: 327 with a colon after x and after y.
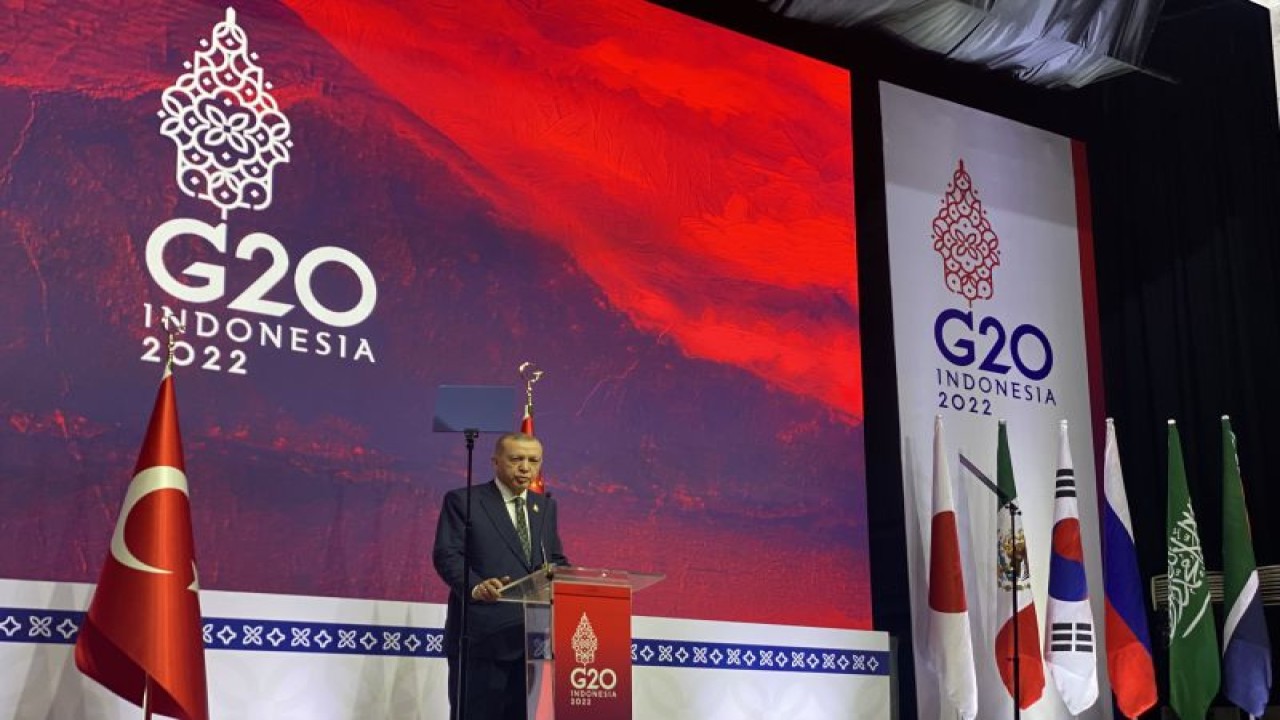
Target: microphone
x: 547, y: 565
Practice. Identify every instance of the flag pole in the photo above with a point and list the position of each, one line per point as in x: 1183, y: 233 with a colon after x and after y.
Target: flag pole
x: 146, y: 698
x: 172, y: 328
x: 530, y: 373
x: 1015, y: 558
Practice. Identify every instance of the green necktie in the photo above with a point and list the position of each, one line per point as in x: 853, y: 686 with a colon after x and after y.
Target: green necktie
x: 522, y: 529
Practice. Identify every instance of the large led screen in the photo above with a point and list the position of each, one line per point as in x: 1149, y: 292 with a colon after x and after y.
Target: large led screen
x: 353, y: 203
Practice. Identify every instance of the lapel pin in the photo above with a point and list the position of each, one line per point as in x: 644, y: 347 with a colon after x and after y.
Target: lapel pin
x: 535, y: 508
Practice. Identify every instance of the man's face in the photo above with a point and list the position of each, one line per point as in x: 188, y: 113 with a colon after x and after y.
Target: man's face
x: 517, y: 462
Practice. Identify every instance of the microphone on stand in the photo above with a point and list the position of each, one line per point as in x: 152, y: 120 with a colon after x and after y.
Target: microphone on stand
x: 542, y: 539
x: 547, y: 566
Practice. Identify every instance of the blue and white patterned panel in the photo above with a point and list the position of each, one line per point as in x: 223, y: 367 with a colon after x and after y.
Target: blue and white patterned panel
x: 26, y: 625
x: 23, y: 625
x: 735, y: 656
x: 284, y: 657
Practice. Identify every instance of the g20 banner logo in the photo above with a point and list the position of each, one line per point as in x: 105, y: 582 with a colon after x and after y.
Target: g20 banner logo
x: 230, y: 134
x: 987, y: 359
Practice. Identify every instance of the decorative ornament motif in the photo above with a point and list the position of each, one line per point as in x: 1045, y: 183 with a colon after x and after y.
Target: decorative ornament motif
x: 964, y: 238
x: 1187, y: 573
x: 228, y: 129
x: 1012, y: 546
x: 585, y: 643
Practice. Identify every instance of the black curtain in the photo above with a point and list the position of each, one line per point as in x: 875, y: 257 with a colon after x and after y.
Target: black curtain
x: 1185, y: 185
x: 1185, y: 181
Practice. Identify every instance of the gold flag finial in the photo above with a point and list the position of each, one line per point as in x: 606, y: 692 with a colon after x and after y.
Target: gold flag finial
x: 530, y: 373
x: 172, y: 328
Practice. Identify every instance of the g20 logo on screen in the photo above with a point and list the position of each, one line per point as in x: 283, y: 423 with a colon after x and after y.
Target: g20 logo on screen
x: 230, y: 135
x: 588, y: 683
x: 986, y: 358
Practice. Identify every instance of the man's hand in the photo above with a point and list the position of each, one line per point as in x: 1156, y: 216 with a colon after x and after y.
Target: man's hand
x: 489, y: 590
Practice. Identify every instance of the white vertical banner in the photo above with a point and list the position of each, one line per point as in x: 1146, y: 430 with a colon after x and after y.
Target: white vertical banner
x: 989, y: 324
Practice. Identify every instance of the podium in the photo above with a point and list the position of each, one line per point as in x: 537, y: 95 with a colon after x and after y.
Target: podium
x: 577, y: 624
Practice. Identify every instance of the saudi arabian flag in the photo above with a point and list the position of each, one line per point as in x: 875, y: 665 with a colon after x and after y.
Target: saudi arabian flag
x: 1193, y: 643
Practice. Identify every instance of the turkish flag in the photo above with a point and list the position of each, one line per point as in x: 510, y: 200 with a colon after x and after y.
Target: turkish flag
x: 526, y: 427
x: 144, y: 620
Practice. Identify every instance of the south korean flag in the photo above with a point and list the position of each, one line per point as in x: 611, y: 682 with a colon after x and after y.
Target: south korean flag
x: 1071, y: 637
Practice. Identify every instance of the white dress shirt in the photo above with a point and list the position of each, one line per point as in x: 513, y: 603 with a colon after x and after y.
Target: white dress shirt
x: 508, y: 500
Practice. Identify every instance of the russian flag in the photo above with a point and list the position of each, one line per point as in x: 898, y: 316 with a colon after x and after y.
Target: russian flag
x: 1129, y: 665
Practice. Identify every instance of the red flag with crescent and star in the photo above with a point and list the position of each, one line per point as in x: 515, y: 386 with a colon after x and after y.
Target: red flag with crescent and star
x: 142, y: 634
x: 526, y: 427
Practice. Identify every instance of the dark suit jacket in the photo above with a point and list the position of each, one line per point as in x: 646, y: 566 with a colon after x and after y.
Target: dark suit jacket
x: 496, y: 629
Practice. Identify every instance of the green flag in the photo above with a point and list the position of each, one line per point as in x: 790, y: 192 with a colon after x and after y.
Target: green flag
x: 1015, y: 572
x: 1193, y: 642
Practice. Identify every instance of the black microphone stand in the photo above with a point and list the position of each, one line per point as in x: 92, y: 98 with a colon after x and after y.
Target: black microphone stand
x: 1016, y: 558
x: 464, y: 639
x: 471, y: 410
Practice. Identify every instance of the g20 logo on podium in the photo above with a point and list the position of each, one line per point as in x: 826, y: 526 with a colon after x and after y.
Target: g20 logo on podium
x: 592, y: 650
x: 230, y: 135
x: 589, y: 683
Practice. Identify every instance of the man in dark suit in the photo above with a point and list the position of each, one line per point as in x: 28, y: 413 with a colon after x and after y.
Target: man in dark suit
x: 513, y: 532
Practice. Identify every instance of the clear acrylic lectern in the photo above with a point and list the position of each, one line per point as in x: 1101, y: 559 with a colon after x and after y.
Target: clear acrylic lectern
x: 581, y: 616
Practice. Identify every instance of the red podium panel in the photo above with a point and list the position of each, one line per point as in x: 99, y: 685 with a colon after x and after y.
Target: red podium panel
x: 592, y: 650
x: 578, y: 641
